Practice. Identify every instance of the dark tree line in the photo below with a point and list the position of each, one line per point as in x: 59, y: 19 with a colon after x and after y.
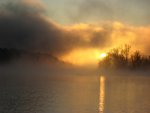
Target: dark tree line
x: 120, y: 58
x: 8, y: 55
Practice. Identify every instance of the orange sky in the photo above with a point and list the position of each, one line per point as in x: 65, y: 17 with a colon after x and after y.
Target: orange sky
x: 78, y: 31
x: 120, y: 34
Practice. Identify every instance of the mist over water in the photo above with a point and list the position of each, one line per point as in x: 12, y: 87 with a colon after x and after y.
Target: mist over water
x: 46, y: 88
x: 34, y: 79
x: 56, y: 88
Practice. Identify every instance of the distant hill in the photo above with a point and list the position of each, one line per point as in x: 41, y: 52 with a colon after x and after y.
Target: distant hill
x: 9, y: 55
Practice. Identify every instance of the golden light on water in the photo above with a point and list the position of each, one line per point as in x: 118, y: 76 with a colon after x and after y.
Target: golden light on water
x: 102, y: 94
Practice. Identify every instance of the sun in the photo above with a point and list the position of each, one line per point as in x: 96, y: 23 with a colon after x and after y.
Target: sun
x: 102, y: 55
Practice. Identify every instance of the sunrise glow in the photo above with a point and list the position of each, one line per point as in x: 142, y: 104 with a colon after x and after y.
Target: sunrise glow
x: 102, y: 55
x: 78, y: 56
x: 82, y: 57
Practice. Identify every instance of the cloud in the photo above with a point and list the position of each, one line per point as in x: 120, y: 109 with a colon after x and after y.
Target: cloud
x: 112, y: 34
x: 90, y: 10
x: 137, y: 37
x: 135, y: 12
x: 25, y: 27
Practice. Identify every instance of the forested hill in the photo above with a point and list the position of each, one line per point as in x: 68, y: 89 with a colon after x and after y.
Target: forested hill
x: 8, y: 55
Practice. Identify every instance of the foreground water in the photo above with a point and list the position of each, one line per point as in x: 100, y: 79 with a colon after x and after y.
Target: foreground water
x: 77, y: 94
x: 124, y: 94
x: 55, y: 94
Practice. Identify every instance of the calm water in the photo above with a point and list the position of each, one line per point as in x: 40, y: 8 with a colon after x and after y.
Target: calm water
x: 120, y: 94
x: 60, y: 94
x: 77, y: 94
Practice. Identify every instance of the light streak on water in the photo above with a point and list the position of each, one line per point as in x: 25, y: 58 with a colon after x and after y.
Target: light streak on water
x: 102, y: 94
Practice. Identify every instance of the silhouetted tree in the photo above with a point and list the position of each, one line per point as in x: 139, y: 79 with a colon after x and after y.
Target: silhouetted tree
x: 8, y: 55
x: 120, y: 58
x: 136, y: 59
x: 116, y: 58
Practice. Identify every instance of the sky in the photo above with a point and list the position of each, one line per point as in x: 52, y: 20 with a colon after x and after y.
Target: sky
x: 76, y: 31
x: 134, y: 12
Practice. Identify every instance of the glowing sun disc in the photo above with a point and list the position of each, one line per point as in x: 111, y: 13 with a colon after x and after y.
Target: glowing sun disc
x: 103, y: 55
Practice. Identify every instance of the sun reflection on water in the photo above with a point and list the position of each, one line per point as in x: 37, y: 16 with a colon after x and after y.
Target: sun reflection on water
x: 102, y: 94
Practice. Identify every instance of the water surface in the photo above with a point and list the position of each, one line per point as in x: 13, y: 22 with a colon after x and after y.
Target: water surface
x: 55, y: 94
x: 75, y: 94
x: 124, y: 94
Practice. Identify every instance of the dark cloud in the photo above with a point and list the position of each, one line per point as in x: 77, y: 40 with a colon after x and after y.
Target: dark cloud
x: 25, y: 27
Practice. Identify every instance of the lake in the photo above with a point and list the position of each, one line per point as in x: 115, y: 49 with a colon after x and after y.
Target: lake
x: 76, y: 94
x: 124, y: 94
x: 53, y: 94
